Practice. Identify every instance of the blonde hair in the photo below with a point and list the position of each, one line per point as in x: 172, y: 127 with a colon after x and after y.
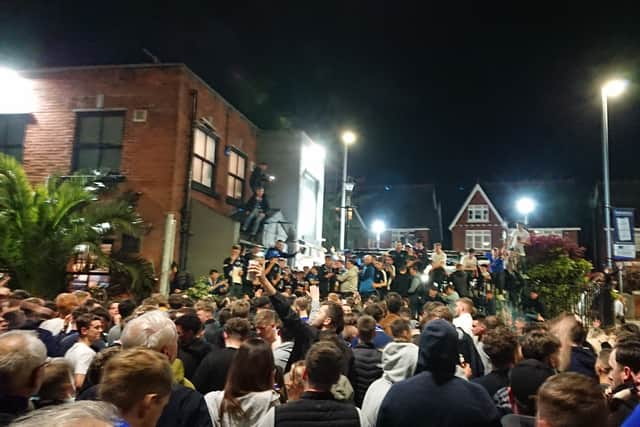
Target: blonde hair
x: 132, y: 374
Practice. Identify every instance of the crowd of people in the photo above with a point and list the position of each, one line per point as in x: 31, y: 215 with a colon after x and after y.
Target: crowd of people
x: 344, y: 346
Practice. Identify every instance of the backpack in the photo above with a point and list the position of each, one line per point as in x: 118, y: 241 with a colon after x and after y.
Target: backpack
x: 467, y: 348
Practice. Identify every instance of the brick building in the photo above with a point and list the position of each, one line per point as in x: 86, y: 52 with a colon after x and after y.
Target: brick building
x: 410, y: 212
x: 160, y: 128
x: 488, y: 215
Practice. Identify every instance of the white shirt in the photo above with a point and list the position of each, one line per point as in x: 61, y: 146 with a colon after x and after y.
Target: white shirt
x: 469, y: 262
x: 618, y: 308
x: 80, y: 356
x: 524, y: 237
x: 439, y: 258
x: 464, y: 322
x: 54, y: 325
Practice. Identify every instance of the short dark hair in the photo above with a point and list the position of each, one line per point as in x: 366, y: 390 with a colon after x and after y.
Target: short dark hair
x: 366, y: 328
x: 500, y: 344
x: 213, y: 270
x: 539, y: 345
x: 322, y: 364
x: 394, y: 302
x: 176, y: 301
x: 577, y: 333
x: 628, y: 352
x: 189, y: 322
x: 84, y: 321
x: 336, y: 314
x: 375, y: 311
x: 126, y: 308
x: 399, y: 327
x: 240, y: 308
x: 238, y: 328
x: 571, y: 400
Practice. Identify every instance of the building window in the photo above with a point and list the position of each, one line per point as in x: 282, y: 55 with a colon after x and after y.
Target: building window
x: 98, y: 143
x: 478, y: 213
x: 478, y: 239
x: 204, y: 158
x: 236, y: 177
x: 12, y: 129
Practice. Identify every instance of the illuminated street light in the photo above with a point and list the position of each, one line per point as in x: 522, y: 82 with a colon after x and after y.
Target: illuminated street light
x: 16, y: 93
x: 615, y: 87
x: 525, y: 206
x: 612, y: 89
x: 378, y: 227
x: 348, y: 138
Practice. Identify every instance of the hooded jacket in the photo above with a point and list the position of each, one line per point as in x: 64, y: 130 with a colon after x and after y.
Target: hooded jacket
x: 434, y: 397
x: 399, y: 360
x: 254, y: 405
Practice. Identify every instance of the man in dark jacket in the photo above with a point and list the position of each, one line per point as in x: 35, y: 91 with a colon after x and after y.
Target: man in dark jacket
x: 366, y: 359
x: 326, y: 276
x: 256, y: 208
x: 500, y: 344
x: 259, y: 177
x: 436, y: 397
x: 211, y: 374
x: 624, y: 377
x: 460, y: 282
x: 327, y: 324
x: 317, y: 406
x: 191, y: 348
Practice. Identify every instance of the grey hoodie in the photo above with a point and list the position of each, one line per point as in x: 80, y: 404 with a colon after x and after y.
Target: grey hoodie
x: 255, y: 405
x: 399, y: 362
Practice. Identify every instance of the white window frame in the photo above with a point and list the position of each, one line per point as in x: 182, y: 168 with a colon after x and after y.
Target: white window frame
x: 478, y: 213
x: 204, y: 158
x: 478, y: 239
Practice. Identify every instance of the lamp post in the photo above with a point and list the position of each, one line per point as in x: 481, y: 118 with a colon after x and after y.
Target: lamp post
x: 525, y: 206
x: 378, y: 227
x: 348, y: 137
x: 612, y: 88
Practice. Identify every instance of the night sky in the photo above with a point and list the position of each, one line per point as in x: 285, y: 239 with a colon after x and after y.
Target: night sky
x: 444, y: 96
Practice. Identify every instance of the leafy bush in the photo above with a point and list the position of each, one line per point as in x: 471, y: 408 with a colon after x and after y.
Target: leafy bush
x: 200, y: 289
x: 561, y: 281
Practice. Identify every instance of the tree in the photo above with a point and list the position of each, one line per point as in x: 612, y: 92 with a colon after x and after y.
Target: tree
x: 42, y: 226
x: 560, y: 270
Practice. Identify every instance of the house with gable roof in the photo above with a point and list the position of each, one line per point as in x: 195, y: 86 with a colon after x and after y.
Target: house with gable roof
x: 488, y: 214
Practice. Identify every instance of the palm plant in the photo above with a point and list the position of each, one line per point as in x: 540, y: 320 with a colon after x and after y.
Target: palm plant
x: 42, y: 226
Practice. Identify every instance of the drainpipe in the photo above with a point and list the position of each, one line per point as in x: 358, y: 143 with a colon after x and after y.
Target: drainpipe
x: 185, y: 212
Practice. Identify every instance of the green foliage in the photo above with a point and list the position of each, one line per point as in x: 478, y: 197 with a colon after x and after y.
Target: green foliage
x: 560, y: 272
x: 200, y: 289
x: 42, y: 225
x: 131, y: 273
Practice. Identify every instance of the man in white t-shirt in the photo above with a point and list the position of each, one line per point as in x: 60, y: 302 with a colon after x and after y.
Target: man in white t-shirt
x: 463, y: 319
x: 519, y: 239
x: 80, y: 355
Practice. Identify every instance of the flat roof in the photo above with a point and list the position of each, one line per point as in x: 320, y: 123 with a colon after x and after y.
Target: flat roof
x: 160, y: 65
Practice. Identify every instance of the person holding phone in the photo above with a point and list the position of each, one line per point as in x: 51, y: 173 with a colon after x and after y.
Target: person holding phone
x: 233, y: 269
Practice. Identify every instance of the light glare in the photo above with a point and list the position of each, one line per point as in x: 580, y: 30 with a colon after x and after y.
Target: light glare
x: 378, y: 226
x: 349, y: 137
x: 614, y: 87
x: 525, y: 205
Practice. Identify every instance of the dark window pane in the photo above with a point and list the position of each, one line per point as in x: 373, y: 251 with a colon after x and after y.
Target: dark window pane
x: 15, y: 131
x: 13, y: 151
x: 89, y: 130
x: 111, y: 159
x: 88, y: 158
x: 112, y: 130
x: 4, y: 123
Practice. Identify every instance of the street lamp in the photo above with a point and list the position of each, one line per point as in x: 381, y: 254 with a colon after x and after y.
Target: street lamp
x: 378, y: 227
x: 525, y: 206
x: 612, y: 88
x: 348, y: 137
x: 17, y: 93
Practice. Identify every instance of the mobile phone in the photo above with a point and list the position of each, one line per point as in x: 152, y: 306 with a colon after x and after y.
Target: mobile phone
x: 252, y: 274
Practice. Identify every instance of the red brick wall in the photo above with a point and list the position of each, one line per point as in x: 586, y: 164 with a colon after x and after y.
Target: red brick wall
x: 155, y: 153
